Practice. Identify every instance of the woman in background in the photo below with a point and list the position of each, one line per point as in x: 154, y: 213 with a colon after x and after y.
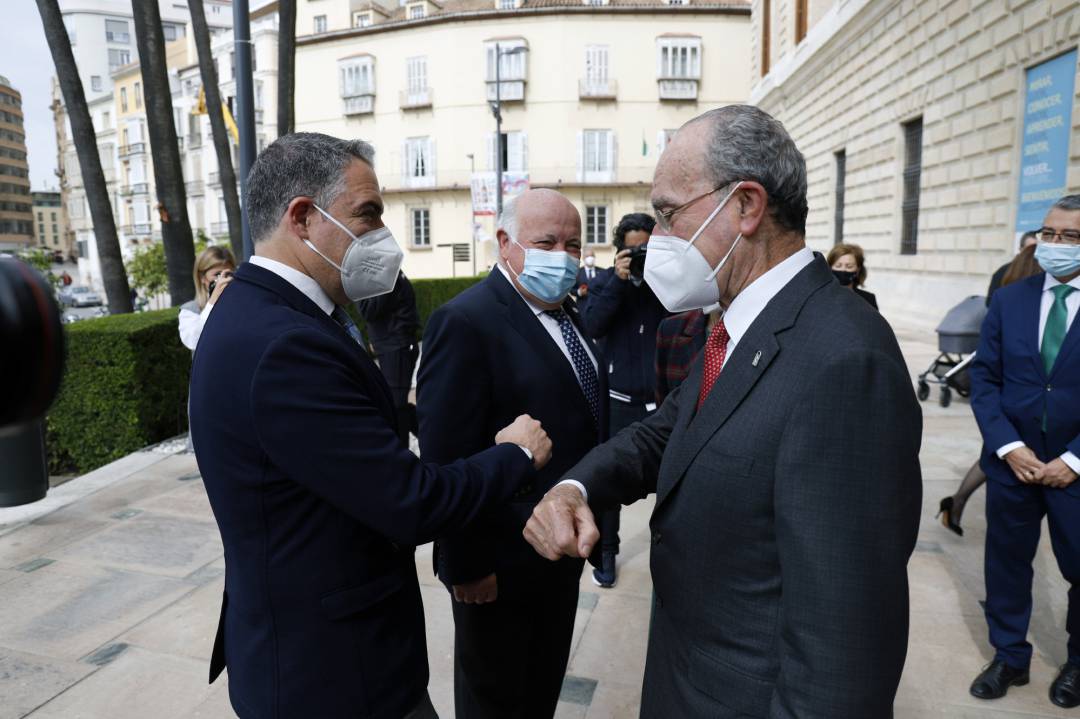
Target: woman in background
x: 213, y: 272
x: 849, y: 267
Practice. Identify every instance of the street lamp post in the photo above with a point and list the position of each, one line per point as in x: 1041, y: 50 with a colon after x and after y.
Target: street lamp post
x: 496, y: 109
x: 472, y: 172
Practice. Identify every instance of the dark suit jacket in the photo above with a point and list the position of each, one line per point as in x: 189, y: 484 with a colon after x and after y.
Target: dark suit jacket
x: 868, y: 296
x: 487, y: 359
x: 679, y: 340
x: 1010, y: 389
x: 786, y: 510
x: 319, y: 506
x: 391, y: 320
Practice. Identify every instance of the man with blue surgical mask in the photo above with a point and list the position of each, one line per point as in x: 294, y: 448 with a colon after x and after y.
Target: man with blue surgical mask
x: 512, y: 344
x: 1025, y: 384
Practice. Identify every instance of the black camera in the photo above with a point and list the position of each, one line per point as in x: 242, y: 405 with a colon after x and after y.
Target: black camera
x: 637, y: 262
x: 213, y: 283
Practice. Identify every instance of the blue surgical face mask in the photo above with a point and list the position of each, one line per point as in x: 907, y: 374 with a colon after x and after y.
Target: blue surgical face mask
x: 1059, y: 260
x: 548, y: 275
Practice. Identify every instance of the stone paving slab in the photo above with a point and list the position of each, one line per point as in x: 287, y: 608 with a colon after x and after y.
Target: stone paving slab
x: 29, y: 680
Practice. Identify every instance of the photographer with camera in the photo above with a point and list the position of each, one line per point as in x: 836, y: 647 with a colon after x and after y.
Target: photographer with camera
x: 212, y: 273
x: 623, y: 313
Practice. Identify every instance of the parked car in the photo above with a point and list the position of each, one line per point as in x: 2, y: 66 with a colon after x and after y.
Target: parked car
x: 80, y: 296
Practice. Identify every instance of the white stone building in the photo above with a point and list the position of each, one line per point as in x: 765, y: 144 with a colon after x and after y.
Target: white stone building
x: 934, y: 130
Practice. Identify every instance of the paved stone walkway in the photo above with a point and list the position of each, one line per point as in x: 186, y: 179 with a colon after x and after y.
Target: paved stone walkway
x: 110, y: 589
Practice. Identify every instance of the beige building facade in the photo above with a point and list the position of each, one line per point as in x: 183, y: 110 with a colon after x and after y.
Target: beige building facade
x: 16, y: 217
x: 923, y: 123
x: 590, y: 93
x: 49, y: 226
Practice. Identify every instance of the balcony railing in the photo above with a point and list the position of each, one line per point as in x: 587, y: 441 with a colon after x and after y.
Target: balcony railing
x: 214, y: 179
x: 596, y: 89
x: 134, y: 148
x: 681, y: 89
x: 414, y: 99
x: 509, y: 91
x: 359, y: 104
x: 139, y: 228
x: 218, y: 229
x: 139, y: 188
x: 195, y: 187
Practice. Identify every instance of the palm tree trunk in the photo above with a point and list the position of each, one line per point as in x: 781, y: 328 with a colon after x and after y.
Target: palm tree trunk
x: 168, y: 175
x: 286, y: 65
x: 117, y: 292
x: 226, y: 173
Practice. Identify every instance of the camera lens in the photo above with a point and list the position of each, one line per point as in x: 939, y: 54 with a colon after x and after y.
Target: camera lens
x: 32, y: 362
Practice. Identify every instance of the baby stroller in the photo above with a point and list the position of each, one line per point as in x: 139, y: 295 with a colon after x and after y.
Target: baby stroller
x: 958, y: 335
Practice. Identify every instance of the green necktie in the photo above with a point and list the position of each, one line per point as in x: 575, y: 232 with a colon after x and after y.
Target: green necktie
x: 1057, y: 324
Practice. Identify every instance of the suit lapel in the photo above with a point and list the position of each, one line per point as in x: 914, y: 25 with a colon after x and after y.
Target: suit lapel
x: 520, y: 317
x: 743, y: 369
x: 1072, y: 340
x: 1029, y: 307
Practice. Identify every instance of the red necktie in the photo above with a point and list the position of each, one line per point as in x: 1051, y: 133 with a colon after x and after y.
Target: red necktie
x: 715, y: 351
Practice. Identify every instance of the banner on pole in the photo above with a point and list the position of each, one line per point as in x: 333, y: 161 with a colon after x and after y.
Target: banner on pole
x: 483, y: 189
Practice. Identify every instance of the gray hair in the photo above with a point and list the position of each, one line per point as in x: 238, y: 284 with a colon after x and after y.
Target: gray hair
x: 508, y: 220
x: 303, y: 164
x: 1070, y: 203
x: 749, y: 144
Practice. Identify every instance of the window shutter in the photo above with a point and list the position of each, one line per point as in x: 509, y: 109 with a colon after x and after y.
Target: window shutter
x: 523, y: 144
x: 405, y: 170
x: 514, y: 161
x: 580, y: 156
x: 661, y: 141
x: 430, y: 164
x: 611, y: 154
x: 490, y: 147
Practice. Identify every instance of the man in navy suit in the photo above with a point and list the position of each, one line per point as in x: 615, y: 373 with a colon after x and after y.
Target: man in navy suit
x: 1026, y: 396
x: 318, y: 501
x: 509, y: 345
x: 585, y: 276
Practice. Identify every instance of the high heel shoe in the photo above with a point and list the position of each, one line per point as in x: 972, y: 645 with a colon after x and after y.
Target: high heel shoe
x: 945, y: 511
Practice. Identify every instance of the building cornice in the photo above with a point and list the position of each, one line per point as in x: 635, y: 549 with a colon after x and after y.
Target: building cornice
x: 520, y: 14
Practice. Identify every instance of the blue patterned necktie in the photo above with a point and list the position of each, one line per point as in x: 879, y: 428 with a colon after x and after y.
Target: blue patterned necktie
x: 583, y: 366
x: 342, y: 318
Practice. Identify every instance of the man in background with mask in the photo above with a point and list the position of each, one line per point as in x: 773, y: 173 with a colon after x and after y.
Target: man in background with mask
x: 623, y: 314
x: 1025, y: 392
x: 318, y: 501
x: 786, y: 465
x: 585, y: 275
x: 510, y: 345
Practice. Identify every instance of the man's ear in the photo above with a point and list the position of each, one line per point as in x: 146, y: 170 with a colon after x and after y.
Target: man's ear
x: 752, y: 201
x: 298, y: 214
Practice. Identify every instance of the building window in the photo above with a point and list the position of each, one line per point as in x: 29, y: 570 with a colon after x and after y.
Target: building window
x: 138, y: 95
x: 416, y: 11
x: 419, y: 154
x: 800, y: 20
x: 320, y: 24
x: 416, y: 75
x: 596, y: 154
x: 119, y: 58
x: 123, y: 100
x: 766, y: 36
x: 596, y: 224
x: 511, y: 64
x: 172, y: 32
x: 117, y: 31
x: 909, y: 211
x: 679, y: 58
x: 95, y: 83
x: 663, y: 138
x: 595, y: 2
x: 838, y: 212
x: 40, y: 216
x: 421, y: 227
x: 506, y: 4
x: 361, y: 19
x: 514, y: 152
x: 54, y: 229
x: 357, y: 79
x: 597, y: 83
x: 53, y: 217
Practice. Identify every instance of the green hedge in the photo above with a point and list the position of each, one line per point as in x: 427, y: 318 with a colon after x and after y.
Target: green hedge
x: 124, y: 387
x: 125, y: 383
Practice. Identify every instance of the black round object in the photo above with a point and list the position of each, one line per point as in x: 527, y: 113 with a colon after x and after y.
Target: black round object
x: 31, y: 343
x: 924, y: 391
x: 946, y: 397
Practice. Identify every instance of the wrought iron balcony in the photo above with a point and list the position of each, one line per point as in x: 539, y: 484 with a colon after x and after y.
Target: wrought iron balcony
x: 134, y: 148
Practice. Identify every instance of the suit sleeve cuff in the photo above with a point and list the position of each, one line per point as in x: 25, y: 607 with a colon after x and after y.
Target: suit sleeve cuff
x: 527, y: 451
x: 1002, y: 451
x: 579, y: 485
x: 1072, y: 461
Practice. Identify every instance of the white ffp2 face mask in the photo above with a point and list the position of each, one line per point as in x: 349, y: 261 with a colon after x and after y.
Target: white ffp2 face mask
x: 679, y: 274
x: 371, y: 264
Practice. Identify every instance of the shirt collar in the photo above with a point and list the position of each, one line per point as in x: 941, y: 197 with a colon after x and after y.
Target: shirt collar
x: 305, y: 283
x: 749, y: 303
x: 1051, y: 282
x: 538, y: 311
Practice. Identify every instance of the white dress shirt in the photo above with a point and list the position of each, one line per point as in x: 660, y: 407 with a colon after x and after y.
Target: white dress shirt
x: 191, y: 325
x: 746, y: 307
x: 1072, y: 305
x: 551, y: 324
x: 305, y: 283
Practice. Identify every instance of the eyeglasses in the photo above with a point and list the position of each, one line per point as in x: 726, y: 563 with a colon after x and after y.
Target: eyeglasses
x: 1049, y: 234
x: 663, y: 217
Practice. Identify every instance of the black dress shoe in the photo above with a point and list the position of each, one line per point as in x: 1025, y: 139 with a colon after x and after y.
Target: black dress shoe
x: 1065, y: 691
x: 945, y: 511
x: 996, y: 679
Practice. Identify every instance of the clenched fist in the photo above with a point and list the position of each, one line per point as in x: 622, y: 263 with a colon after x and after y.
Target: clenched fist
x: 526, y: 432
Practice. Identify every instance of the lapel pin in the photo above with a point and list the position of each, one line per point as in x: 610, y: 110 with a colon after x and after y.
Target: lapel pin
x: 757, y: 358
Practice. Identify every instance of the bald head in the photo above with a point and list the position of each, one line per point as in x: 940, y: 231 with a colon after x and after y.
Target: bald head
x: 537, y: 219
